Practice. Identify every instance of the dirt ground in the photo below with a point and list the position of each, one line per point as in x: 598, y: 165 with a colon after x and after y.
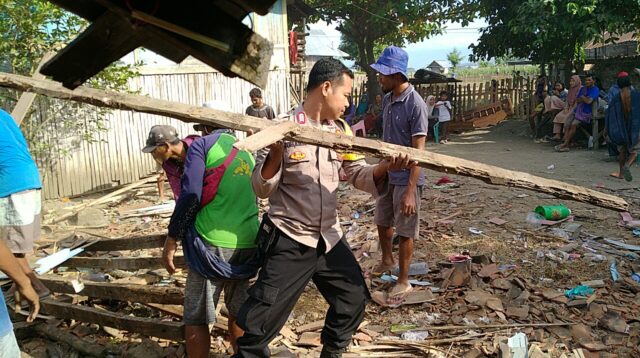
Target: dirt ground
x: 526, y: 255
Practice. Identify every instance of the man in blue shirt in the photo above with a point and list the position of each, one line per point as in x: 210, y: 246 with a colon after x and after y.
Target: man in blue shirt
x: 583, y: 112
x: 20, y: 199
x: 405, y: 122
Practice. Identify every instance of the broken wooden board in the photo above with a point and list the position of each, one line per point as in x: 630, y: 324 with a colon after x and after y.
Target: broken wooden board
x: 122, y: 292
x: 122, y: 263
x: 266, y: 137
x: 128, y: 243
x: 103, y: 199
x: 146, y: 326
x: 314, y: 136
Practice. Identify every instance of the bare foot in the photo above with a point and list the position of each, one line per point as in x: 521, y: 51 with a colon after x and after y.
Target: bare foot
x: 616, y: 175
x: 398, y: 293
x: 381, y: 268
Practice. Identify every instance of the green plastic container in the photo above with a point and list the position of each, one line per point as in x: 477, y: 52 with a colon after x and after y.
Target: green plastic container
x: 553, y: 212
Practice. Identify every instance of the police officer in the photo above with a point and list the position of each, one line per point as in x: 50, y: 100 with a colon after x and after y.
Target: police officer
x: 301, y: 235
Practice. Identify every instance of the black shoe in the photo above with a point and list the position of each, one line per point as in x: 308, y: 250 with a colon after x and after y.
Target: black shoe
x: 330, y: 352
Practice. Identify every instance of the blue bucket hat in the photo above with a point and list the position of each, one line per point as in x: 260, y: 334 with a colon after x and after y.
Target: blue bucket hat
x: 393, y: 60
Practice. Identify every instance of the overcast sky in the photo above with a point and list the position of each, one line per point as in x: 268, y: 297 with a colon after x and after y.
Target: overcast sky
x: 436, y: 48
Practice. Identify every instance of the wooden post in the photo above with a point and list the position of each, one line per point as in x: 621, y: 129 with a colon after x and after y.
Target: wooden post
x: 26, y: 99
x: 313, y: 136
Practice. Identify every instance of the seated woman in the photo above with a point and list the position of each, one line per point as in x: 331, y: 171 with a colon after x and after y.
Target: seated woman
x: 566, y: 114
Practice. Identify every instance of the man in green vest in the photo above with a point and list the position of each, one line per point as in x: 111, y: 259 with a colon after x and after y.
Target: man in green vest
x: 216, y: 217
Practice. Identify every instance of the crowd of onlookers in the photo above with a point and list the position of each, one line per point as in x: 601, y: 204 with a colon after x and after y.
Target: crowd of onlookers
x: 560, y: 111
x: 439, y: 112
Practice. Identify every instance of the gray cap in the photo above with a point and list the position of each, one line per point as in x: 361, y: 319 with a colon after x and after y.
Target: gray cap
x: 159, y: 135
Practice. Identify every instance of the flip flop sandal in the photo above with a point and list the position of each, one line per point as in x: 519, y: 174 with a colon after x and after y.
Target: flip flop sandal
x: 401, y: 295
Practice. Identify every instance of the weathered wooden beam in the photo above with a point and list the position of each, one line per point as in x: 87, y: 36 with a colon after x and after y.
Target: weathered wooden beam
x: 266, y: 137
x: 86, y: 347
x: 122, y: 292
x: 128, y: 243
x: 121, y: 263
x: 146, y: 326
x: 310, y: 135
x: 107, y: 39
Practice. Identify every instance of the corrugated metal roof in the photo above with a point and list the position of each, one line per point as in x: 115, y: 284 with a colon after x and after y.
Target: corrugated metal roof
x: 319, y: 44
x: 628, y: 37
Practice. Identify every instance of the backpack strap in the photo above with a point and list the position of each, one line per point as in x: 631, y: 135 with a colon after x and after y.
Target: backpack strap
x: 213, y: 177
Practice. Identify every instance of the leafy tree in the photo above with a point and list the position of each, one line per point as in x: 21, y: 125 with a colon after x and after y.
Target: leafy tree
x: 550, y: 31
x: 367, y: 26
x: 28, y: 30
x: 455, y: 57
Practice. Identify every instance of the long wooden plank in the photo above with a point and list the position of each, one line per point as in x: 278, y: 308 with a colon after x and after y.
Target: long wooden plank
x: 121, y: 263
x: 128, y: 243
x: 309, y: 135
x: 146, y: 326
x: 266, y: 137
x: 122, y: 292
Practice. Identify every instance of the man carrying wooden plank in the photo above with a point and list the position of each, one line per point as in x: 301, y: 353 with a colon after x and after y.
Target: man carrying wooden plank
x: 405, y: 122
x: 169, y: 151
x: 20, y: 198
x: 300, y: 234
x: 216, y: 217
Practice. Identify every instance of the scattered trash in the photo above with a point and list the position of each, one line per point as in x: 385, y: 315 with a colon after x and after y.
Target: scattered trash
x: 560, y: 233
x: 445, y: 183
x: 475, y: 231
x: 400, y: 328
x: 414, y: 335
x: 595, y: 257
x: 613, y: 322
x: 553, y: 212
x: 636, y: 232
x: 518, y: 345
x: 551, y: 167
x: 580, y: 290
x: 507, y: 267
x: 622, y: 245
x: 535, y: 218
x: 415, y: 269
x: 615, y: 275
x: 522, y: 196
x: 394, y: 279
x: 626, y: 216
x: 636, y: 277
x: 497, y: 221
x: 355, y: 215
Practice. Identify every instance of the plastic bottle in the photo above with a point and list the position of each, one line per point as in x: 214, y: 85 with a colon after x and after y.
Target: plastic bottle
x: 415, y: 335
x: 535, y: 219
x: 590, y: 145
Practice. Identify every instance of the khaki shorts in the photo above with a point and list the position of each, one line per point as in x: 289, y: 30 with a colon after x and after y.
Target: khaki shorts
x: 388, y: 212
x: 20, y: 220
x: 201, y: 295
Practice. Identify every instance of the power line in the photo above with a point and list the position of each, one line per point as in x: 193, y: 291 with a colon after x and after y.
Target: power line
x: 376, y: 15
